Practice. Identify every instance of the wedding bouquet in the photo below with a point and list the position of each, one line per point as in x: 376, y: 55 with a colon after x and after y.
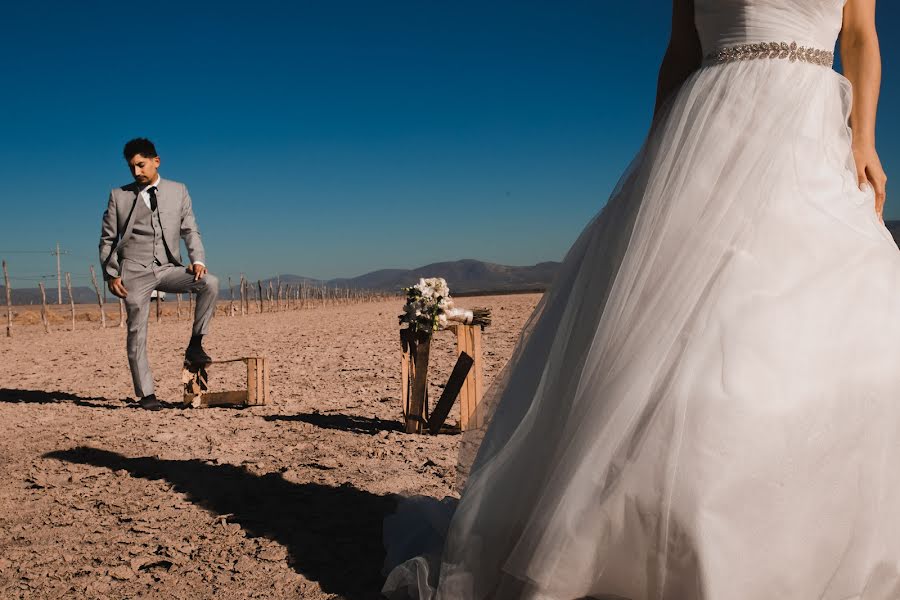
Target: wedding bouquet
x: 429, y: 308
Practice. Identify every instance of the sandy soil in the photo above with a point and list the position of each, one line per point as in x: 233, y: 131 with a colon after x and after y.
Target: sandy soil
x: 102, y: 500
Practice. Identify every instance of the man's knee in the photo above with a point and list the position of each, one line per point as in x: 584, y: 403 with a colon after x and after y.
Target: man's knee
x: 212, y: 282
x: 134, y: 309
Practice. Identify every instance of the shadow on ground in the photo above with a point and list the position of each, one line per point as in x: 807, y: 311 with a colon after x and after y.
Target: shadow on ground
x: 351, y: 423
x: 332, y: 534
x: 11, y: 396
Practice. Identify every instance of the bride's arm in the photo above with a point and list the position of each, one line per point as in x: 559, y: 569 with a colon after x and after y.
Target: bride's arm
x: 861, y: 59
x: 683, y: 55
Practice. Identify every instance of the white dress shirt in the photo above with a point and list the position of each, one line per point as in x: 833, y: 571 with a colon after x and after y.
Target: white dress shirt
x: 145, y: 191
x: 145, y: 196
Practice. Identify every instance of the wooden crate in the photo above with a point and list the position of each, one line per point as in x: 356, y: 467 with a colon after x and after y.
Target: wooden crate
x: 196, y: 387
x: 414, y: 375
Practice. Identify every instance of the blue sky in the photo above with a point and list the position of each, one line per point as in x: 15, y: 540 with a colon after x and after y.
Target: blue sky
x: 333, y: 138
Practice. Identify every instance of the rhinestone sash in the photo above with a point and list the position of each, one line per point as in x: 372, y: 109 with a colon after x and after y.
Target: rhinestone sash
x: 790, y: 51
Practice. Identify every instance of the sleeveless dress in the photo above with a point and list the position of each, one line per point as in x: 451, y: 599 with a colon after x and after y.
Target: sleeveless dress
x: 706, y: 403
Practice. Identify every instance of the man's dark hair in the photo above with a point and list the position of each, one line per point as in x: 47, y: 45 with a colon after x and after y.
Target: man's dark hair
x: 141, y: 146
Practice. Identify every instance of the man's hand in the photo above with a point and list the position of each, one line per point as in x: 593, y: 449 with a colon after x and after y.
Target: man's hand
x: 198, y: 270
x: 870, y: 171
x: 115, y: 286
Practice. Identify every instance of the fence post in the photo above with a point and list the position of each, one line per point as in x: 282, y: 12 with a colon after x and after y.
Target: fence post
x: 242, y: 295
x: 231, y: 305
x: 44, y: 307
x: 71, y: 297
x: 99, y: 298
x: 8, y: 301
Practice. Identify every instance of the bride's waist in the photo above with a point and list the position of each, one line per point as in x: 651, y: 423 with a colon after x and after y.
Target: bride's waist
x: 788, y: 50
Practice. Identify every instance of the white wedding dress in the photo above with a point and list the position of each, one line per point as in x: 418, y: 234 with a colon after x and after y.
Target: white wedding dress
x: 706, y: 403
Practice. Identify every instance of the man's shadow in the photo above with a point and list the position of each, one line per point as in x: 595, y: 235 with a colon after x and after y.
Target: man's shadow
x: 13, y: 396
x: 333, y: 535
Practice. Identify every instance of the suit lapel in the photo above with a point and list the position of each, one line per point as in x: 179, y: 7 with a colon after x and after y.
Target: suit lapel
x: 161, y: 197
x: 166, y: 214
x: 129, y: 222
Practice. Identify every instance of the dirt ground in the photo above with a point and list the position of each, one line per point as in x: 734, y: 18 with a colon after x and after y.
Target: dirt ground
x: 99, y: 499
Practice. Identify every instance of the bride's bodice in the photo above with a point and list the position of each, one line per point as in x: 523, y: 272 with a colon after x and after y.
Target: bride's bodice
x: 813, y: 23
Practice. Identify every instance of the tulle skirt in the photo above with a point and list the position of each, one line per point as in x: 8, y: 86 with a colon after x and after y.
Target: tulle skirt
x: 706, y: 403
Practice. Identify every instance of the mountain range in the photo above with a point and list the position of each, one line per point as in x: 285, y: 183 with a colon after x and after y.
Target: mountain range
x: 465, y: 277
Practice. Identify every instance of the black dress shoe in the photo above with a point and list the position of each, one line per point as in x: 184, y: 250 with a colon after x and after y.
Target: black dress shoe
x: 150, y: 403
x: 196, y: 357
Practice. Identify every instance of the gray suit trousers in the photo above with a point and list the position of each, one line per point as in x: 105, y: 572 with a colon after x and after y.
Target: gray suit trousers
x: 140, y: 282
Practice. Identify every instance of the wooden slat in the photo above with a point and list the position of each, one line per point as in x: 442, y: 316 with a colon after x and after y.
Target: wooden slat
x: 224, y: 399
x: 451, y: 391
x: 415, y: 419
x: 404, y: 377
x: 463, y: 346
x: 471, y: 411
x: 477, y: 374
x: 252, y: 381
x: 266, y: 378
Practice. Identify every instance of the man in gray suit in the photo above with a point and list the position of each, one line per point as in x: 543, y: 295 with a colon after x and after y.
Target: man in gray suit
x: 140, y: 251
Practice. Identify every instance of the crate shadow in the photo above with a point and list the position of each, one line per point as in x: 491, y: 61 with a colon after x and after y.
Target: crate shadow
x: 351, y: 423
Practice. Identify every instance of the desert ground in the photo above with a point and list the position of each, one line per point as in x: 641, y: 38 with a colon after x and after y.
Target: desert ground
x: 99, y: 499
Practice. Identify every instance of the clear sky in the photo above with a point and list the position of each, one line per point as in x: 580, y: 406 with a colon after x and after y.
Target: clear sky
x: 331, y: 138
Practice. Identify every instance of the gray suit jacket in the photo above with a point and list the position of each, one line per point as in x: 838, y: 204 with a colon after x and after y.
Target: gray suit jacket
x: 175, y: 214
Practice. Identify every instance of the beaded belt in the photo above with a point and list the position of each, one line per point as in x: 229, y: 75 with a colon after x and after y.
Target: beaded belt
x: 790, y: 51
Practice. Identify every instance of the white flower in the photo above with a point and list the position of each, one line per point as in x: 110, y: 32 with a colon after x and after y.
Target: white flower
x: 427, y: 304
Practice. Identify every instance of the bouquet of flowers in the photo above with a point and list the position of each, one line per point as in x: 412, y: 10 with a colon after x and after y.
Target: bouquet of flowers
x: 429, y: 308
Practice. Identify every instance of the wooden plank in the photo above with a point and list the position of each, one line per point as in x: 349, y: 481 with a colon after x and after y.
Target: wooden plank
x: 404, y: 376
x: 464, y: 346
x: 421, y: 351
x: 471, y: 410
x: 223, y: 399
x: 451, y: 391
x: 477, y: 374
x: 252, y: 381
x: 265, y: 371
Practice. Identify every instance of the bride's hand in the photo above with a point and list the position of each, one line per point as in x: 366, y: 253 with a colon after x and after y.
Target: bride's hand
x: 869, y: 170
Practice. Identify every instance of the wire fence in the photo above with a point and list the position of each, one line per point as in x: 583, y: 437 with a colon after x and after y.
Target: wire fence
x: 241, y: 298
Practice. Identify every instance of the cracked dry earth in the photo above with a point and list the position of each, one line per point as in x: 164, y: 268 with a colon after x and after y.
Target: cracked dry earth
x: 102, y: 500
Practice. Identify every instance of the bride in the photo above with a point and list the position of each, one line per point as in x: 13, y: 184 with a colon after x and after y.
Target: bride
x: 706, y: 403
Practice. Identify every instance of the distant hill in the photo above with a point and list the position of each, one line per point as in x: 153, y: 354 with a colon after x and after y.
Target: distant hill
x: 464, y: 276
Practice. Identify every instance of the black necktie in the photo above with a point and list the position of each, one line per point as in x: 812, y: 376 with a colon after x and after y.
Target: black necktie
x: 151, y: 191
